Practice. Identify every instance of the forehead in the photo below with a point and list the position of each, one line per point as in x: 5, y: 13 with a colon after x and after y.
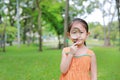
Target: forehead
x: 78, y: 25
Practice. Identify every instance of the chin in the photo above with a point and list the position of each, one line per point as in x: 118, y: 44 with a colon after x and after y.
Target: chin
x: 79, y: 44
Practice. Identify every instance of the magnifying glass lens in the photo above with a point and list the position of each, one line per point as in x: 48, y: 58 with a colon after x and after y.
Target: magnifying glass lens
x: 75, y: 34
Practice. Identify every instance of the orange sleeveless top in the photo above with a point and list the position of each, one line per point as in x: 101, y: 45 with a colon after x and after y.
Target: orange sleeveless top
x: 79, y: 68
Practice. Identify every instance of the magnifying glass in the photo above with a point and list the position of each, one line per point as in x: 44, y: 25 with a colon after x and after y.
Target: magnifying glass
x: 75, y: 34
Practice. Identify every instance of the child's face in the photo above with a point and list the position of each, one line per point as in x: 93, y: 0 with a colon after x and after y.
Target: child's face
x: 78, y: 33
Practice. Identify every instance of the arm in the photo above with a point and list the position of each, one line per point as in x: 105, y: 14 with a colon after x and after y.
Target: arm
x: 65, y: 62
x: 66, y: 59
x: 93, y: 67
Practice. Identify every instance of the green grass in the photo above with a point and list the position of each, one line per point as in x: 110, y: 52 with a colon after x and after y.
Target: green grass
x: 108, y: 63
x: 26, y: 63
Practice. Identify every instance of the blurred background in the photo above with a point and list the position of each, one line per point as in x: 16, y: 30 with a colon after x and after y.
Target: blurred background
x: 33, y: 33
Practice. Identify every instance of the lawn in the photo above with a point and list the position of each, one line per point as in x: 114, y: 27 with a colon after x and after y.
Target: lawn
x: 26, y: 63
x: 108, y: 62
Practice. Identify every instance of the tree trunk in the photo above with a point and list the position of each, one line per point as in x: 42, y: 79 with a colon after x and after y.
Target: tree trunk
x: 3, y: 38
x: 66, y: 23
x: 0, y: 19
x: 107, y: 41
x: 10, y: 16
x: 18, y: 22
x: 108, y: 27
x: 59, y: 43
x: 39, y: 25
x: 24, y: 31
x: 118, y: 12
x: 24, y: 35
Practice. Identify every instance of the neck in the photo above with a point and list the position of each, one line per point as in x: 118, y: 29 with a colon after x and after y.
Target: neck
x: 81, y: 46
x: 81, y: 49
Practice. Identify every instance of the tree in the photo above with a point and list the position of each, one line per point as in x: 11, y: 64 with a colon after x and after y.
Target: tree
x: 39, y: 24
x: 96, y: 30
x: 55, y: 22
x: 11, y: 34
x: 2, y: 36
x: 114, y: 35
x: 118, y: 12
x: 81, y: 8
x: 108, y: 13
x: 66, y: 23
x: 52, y: 15
x: 7, y: 34
x: 27, y: 18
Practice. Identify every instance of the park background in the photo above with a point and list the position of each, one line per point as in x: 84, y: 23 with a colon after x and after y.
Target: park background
x: 33, y: 33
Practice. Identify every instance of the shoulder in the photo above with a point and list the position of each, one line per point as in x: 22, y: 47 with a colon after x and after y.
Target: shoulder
x: 66, y: 49
x: 91, y: 52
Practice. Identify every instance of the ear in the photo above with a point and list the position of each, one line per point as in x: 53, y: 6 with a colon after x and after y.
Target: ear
x: 68, y: 34
x: 88, y: 34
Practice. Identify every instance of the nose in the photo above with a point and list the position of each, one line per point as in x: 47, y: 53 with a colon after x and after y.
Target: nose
x: 76, y: 38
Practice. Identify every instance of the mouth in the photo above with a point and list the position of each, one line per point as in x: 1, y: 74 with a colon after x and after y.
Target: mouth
x: 77, y: 41
x: 74, y: 41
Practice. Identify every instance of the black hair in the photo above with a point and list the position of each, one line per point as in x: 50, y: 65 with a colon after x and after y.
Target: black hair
x: 84, y: 23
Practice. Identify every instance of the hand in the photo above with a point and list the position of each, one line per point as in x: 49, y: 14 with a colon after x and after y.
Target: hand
x: 73, y: 49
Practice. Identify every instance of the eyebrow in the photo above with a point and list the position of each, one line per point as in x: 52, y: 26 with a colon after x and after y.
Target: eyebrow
x: 78, y: 29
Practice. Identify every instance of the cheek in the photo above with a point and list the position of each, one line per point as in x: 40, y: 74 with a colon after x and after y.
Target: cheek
x: 71, y: 39
x: 84, y: 36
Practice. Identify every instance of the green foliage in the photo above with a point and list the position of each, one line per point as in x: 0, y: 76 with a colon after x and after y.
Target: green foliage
x: 1, y: 28
x: 53, y: 15
x: 26, y: 63
x: 96, y: 30
x: 52, y: 18
x: 114, y: 34
x: 82, y: 8
x: 10, y: 32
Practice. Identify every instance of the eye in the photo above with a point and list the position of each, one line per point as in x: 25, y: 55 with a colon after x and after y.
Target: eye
x: 74, y: 32
x: 81, y: 32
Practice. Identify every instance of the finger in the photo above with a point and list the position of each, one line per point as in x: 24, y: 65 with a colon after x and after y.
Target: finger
x: 75, y: 44
x: 74, y: 47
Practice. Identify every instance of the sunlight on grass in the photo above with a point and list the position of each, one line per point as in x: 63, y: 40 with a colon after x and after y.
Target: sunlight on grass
x: 108, y: 63
x: 27, y: 63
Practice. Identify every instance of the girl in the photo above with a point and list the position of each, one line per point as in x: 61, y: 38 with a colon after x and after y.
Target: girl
x: 78, y: 62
